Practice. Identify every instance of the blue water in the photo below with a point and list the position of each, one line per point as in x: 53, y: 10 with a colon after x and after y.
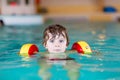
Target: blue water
x: 103, y: 65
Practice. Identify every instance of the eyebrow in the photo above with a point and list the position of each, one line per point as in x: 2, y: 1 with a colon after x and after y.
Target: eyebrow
x: 62, y: 38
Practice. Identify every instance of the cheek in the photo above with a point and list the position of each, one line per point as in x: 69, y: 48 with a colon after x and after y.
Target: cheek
x: 64, y: 45
x: 48, y: 44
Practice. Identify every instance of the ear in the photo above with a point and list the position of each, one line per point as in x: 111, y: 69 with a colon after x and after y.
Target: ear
x: 67, y: 45
x: 45, y: 46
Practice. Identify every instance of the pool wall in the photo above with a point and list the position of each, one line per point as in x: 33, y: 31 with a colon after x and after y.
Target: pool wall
x: 22, y: 19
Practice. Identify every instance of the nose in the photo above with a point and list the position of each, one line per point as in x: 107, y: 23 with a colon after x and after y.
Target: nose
x: 57, y: 45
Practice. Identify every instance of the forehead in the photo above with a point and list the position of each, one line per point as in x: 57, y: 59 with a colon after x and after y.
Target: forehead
x: 57, y: 35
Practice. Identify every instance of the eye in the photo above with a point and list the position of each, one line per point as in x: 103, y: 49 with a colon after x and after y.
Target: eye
x: 51, y: 41
x: 61, y: 41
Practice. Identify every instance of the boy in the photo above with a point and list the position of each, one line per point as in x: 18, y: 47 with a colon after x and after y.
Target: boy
x: 55, y: 40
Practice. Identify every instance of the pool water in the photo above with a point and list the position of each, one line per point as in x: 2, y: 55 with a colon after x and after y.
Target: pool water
x: 103, y: 37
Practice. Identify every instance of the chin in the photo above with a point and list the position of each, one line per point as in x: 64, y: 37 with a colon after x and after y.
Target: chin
x: 57, y: 52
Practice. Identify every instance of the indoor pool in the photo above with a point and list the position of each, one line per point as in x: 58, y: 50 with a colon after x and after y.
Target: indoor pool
x: 102, y: 37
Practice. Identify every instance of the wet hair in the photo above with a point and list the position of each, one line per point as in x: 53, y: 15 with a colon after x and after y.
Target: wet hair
x: 55, y: 30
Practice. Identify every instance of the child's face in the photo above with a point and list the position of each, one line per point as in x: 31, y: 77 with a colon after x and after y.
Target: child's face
x: 57, y: 44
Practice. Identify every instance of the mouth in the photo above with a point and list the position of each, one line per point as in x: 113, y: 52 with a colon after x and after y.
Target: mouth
x: 57, y: 50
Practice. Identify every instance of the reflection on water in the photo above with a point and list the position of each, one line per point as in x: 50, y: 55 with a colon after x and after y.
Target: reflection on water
x: 60, y: 62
